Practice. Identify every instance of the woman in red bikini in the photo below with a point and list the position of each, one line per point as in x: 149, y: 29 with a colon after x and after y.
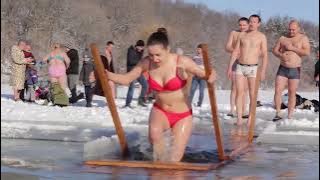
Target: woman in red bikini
x: 167, y: 74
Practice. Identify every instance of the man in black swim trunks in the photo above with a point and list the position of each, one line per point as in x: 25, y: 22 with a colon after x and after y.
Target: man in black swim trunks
x: 289, y: 49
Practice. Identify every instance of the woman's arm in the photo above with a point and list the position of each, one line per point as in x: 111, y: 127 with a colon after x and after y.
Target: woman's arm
x: 127, y: 78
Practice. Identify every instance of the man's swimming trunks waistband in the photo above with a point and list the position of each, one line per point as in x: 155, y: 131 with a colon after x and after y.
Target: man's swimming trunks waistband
x: 248, y: 64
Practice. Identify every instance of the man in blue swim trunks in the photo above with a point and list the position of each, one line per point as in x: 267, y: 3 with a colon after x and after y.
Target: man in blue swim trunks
x: 289, y: 49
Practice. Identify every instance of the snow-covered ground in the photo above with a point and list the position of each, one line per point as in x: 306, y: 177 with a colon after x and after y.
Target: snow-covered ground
x: 93, y: 127
x: 79, y: 123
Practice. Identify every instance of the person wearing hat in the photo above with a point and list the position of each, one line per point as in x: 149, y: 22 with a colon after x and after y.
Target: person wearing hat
x: 134, y: 55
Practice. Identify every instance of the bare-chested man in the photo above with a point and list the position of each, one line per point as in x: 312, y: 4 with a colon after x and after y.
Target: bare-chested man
x: 231, y: 43
x: 251, y: 45
x: 289, y: 49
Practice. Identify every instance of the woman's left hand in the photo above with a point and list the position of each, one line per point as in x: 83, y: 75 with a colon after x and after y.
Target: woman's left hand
x: 212, y: 77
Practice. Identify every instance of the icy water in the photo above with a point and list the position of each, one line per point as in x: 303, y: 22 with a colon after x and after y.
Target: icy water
x: 38, y: 159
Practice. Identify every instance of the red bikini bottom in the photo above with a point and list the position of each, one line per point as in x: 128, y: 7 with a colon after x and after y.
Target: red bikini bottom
x: 173, y: 117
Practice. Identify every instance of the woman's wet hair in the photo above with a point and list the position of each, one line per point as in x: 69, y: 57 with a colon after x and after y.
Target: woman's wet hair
x: 158, y: 38
x: 162, y: 29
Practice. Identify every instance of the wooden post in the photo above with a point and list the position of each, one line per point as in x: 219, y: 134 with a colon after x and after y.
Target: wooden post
x: 102, y: 76
x: 213, y: 103
x: 253, y: 107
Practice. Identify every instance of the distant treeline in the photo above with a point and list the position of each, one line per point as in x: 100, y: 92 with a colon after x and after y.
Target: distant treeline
x: 81, y: 22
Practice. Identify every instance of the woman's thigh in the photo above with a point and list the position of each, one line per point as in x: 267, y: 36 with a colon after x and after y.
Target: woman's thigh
x: 158, y: 123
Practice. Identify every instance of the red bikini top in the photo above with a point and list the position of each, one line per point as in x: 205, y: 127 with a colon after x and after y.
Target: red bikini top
x: 173, y: 84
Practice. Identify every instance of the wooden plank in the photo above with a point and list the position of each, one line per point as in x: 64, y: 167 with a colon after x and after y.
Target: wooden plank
x: 253, y: 106
x: 155, y: 165
x: 213, y: 103
x: 108, y: 94
x: 243, y: 148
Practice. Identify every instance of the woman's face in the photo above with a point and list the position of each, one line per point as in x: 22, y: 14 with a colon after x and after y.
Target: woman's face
x: 157, y: 53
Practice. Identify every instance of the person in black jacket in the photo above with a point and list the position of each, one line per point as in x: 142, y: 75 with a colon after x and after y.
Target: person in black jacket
x: 134, y: 55
x: 316, y: 70
x: 73, y: 72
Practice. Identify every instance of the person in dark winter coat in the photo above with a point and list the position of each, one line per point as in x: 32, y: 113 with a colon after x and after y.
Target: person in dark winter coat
x: 73, y: 72
x: 89, y: 84
x: 134, y: 55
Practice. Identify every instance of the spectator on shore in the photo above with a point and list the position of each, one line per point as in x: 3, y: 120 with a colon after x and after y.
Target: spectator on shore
x: 18, y: 68
x: 196, y: 81
x: 134, y: 55
x: 107, y: 61
x: 86, y: 72
x: 72, y: 72
x: 31, y: 83
x: 27, y: 54
x: 316, y: 70
x: 58, y: 62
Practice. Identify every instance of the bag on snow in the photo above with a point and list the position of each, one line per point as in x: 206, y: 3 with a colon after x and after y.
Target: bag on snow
x: 58, y: 95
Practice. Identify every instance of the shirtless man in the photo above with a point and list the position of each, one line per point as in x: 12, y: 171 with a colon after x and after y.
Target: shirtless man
x: 251, y: 45
x: 231, y: 43
x: 289, y: 49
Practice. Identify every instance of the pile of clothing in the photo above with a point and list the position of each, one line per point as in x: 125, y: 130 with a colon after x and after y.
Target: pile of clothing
x: 301, y: 103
